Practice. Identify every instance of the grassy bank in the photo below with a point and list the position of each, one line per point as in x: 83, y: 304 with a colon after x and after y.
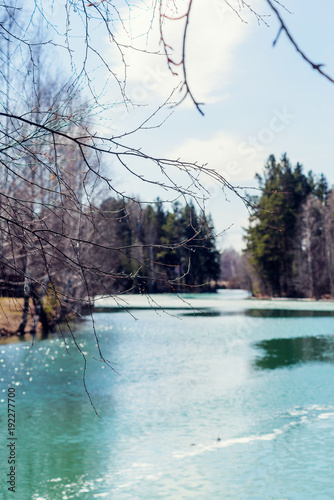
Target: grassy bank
x: 10, y: 317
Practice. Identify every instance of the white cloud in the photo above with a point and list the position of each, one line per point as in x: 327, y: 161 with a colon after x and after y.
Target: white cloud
x: 214, y: 33
x: 226, y: 153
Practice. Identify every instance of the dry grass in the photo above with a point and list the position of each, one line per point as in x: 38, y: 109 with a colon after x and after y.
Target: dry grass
x: 10, y: 316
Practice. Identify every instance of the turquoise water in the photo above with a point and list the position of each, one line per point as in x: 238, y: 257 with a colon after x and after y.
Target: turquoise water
x: 231, y: 403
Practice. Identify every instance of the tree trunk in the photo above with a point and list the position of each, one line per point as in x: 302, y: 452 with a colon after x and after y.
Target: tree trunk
x: 40, y: 314
x: 25, y: 311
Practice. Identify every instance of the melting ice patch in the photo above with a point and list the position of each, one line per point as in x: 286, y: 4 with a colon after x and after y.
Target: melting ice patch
x: 230, y: 442
x: 300, y: 416
x: 326, y: 415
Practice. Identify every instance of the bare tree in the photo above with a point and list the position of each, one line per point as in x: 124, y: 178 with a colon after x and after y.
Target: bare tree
x: 329, y: 241
x: 313, y: 255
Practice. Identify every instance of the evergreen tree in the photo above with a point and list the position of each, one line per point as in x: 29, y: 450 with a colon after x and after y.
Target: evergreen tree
x: 200, y: 258
x: 150, y: 250
x: 171, y: 238
x: 270, y: 236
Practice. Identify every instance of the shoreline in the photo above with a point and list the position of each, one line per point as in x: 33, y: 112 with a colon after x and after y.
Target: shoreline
x: 11, y: 307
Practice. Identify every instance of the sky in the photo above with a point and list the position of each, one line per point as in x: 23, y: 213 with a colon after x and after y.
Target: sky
x: 258, y: 99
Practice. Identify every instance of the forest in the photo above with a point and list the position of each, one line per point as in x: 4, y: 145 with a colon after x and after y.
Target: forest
x: 127, y: 246
x: 290, y: 238
x: 157, y: 250
x: 120, y: 247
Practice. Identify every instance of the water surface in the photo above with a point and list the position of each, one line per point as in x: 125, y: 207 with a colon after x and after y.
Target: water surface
x: 216, y: 403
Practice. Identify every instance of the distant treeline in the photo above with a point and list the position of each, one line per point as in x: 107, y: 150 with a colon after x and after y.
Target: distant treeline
x: 290, y: 238
x: 121, y: 246
x: 156, y: 250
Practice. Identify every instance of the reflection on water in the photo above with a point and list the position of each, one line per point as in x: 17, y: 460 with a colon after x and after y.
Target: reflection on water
x: 278, y: 353
x: 286, y: 313
x: 259, y: 313
x: 209, y: 313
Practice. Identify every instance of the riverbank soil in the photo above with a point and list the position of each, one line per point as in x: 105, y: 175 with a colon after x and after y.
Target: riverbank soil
x: 10, y: 316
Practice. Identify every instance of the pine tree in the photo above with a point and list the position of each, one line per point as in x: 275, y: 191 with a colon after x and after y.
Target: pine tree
x: 270, y: 236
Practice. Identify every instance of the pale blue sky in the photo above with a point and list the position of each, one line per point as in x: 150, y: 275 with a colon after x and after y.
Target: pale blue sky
x: 259, y: 99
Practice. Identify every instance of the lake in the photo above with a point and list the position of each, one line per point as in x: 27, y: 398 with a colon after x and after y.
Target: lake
x: 212, y: 397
